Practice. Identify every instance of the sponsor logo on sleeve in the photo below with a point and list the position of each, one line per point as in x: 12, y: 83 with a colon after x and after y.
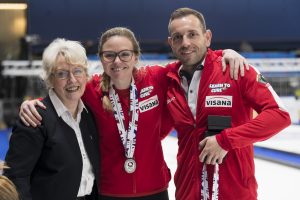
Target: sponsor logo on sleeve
x: 146, y: 91
x: 261, y: 79
x: 149, y: 104
x: 169, y: 100
x: 218, y: 101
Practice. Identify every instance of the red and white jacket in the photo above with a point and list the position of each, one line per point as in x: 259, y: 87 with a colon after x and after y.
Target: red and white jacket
x: 220, y: 95
x: 152, y: 174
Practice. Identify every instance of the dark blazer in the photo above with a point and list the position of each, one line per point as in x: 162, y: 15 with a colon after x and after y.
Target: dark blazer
x: 45, y: 162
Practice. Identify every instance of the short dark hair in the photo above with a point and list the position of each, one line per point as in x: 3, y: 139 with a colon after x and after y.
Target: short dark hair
x: 182, y: 12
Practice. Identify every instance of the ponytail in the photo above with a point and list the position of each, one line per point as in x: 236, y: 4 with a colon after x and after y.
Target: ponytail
x: 104, y: 86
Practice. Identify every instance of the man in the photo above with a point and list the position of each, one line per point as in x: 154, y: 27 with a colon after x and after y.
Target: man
x: 198, y: 88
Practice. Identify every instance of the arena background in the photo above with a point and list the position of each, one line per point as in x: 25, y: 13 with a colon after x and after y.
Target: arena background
x: 266, y: 32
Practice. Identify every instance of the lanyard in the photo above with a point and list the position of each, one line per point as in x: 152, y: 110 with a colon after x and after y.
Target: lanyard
x: 128, y: 138
x: 204, y: 183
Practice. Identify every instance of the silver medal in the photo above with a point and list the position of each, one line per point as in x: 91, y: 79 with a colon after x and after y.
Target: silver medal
x: 130, y: 165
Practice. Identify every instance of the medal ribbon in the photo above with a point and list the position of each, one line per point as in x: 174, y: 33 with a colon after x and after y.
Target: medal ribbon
x: 204, y: 183
x: 128, y: 138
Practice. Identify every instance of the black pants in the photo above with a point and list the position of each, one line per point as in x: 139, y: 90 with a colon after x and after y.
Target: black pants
x: 159, y: 196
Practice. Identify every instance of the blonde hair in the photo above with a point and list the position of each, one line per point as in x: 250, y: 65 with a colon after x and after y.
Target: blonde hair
x: 104, y: 86
x: 105, y: 81
x: 73, y: 52
x: 8, y: 190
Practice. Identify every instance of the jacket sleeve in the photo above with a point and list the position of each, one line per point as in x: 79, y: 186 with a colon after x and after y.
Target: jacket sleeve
x: 160, y: 76
x: 272, y: 116
x: 219, y: 52
x: 166, y: 124
x: 25, y: 147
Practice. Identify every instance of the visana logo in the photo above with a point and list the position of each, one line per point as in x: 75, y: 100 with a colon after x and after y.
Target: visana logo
x: 149, y: 104
x: 218, y: 101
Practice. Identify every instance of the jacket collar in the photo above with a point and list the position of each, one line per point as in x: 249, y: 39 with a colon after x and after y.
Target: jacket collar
x: 173, y: 73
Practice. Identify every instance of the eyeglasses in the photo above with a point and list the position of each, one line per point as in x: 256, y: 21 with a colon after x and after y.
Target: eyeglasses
x: 64, y: 74
x: 110, y: 56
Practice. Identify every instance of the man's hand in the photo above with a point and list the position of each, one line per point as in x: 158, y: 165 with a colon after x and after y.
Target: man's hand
x: 236, y: 62
x: 28, y: 113
x: 211, y: 153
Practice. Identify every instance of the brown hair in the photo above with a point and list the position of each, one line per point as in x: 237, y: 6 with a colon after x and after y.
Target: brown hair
x: 105, y: 81
x: 182, y: 12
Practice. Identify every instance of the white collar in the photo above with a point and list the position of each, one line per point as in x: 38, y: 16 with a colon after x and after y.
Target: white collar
x: 59, y: 107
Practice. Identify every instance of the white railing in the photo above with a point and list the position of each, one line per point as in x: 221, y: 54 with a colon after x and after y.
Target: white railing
x: 34, y: 68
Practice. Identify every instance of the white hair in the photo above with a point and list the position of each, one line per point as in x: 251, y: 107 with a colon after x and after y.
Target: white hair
x: 72, y: 51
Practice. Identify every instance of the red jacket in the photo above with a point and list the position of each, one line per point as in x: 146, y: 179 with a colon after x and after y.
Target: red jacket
x: 236, y: 174
x: 152, y: 174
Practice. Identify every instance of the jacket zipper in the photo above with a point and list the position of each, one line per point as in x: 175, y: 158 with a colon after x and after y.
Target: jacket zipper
x: 134, y: 183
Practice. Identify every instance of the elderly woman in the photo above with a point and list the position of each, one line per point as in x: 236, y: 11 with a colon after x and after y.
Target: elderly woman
x: 58, y: 159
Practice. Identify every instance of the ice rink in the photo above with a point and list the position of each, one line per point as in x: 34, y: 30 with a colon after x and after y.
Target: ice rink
x: 275, y: 181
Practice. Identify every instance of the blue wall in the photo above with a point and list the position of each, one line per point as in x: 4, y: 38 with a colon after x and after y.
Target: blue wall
x: 230, y: 20
x: 4, y: 137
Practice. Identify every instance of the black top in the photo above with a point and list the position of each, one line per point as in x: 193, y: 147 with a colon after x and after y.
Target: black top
x: 45, y: 162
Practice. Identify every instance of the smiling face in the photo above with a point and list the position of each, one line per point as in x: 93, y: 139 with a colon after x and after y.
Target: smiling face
x: 188, y: 40
x: 118, y: 69
x: 70, y: 88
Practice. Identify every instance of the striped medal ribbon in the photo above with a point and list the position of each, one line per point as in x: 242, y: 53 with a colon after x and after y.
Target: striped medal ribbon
x: 128, y: 138
x: 204, y: 184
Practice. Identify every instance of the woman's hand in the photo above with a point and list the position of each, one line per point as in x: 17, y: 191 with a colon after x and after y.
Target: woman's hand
x: 28, y: 113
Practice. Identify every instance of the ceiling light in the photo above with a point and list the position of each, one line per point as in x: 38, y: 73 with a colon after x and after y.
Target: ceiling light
x: 13, y: 6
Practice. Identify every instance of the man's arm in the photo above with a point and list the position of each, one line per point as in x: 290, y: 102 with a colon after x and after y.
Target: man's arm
x: 271, y: 119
